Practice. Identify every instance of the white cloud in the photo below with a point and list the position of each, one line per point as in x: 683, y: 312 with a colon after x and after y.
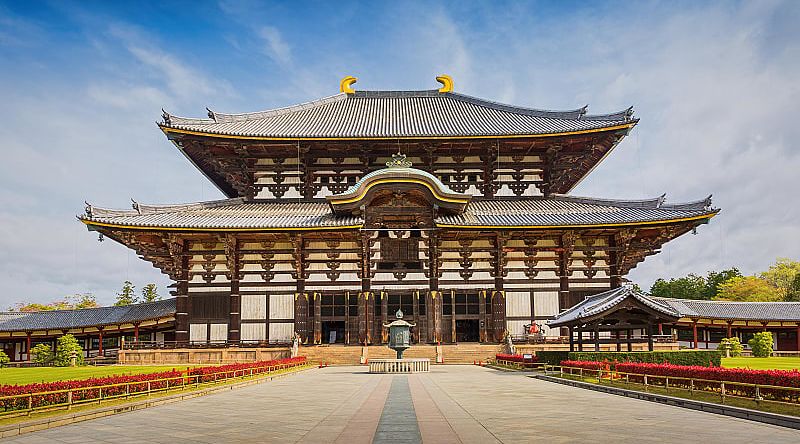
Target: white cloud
x: 276, y: 47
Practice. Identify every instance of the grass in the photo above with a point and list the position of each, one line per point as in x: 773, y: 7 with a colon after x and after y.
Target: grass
x: 28, y: 375
x: 774, y: 363
x: 764, y: 406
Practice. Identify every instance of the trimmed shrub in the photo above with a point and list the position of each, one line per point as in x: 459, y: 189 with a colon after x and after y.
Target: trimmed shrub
x: 761, y: 344
x: 703, y: 358
x: 732, y: 345
x: 4, y: 359
x: 42, y: 354
x: 552, y: 357
x: 65, y: 346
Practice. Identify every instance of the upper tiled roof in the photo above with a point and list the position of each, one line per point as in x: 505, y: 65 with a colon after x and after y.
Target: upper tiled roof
x: 599, y: 303
x: 752, y: 311
x: 556, y: 211
x: 398, y: 114
x: 87, y: 317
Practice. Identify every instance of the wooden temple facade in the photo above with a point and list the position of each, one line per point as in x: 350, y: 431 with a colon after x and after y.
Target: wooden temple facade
x: 341, y: 211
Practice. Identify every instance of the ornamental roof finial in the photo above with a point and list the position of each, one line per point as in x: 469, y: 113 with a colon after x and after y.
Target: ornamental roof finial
x: 399, y: 161
x: 447, y: 83
x: 345, y: 85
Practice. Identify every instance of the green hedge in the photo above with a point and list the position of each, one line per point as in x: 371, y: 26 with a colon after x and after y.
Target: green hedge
x: 682, y: 357
x: 552, y: 357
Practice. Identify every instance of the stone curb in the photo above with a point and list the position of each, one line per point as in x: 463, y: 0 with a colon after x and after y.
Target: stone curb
x: 720, y: 409
x: 57, y: 421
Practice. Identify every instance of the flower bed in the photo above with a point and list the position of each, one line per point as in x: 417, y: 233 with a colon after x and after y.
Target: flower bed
x: 514, y: 358
x: 703, y: 378
x: 58, y: 392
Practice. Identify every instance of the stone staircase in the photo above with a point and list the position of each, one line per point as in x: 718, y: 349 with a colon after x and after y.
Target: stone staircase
x: 465, y: 353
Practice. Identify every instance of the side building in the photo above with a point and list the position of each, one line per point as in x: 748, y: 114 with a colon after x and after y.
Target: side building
x: 341, y: 211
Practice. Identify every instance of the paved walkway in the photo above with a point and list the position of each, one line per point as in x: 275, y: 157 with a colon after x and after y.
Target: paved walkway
x: 452, y: 404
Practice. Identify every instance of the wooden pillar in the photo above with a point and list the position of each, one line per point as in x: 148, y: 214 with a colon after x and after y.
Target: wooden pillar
x: 384, y: 317
x: 136, y: 333
x: 571, y: 339
x: 453, y: 316
x: 482, y: 316
x: 617, y: 340
x: 301, y: 326
x: 367, y: 312
x: 728, y: 330
x: 232, y: 262
x: 317, y: 318
x: 613, y: 263
x: 660, y: 328
x: 100, y: 344
x: 28, y: 344
x: 434, y: 310
x: 182, y: 301
x: 347, y: 318
x: 597, y: 336
x: 563, y: 273
x: 580, y: 338
x: 628, y: 335
x: 694, y: 335
x: 650, y: 336
x: 798, y: 338
x: 415, y: 308
x: 499, y: 314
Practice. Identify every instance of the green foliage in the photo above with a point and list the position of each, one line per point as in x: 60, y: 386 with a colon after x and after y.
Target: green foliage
x: 4, y: 359
x: 761, y: 344
x: 732, y: 345
x: 715, y: 279
x: 127, y: 295
x: 150, y: 293
x: 76, y: 301
x: 42, y: 354
x: 689, y: 287
x: 793, y: 295
x: 83, y: 300
x: 782, y: 274
x: 748, y: 289
x: 552, y: 357
x: 682, y: 357
x: 64, y: 348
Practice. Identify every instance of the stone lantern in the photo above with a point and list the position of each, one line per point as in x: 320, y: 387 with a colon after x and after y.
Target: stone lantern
x: 399, y: 334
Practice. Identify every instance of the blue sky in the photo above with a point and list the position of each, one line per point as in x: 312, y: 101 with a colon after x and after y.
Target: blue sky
x: 83, y: 83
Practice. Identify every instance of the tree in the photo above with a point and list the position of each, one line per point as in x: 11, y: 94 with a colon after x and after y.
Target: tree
x: 42, y: 354
x: 4, y: 359
x: 689, y: 287
x: 761, y: 344
x: 748, y: 289
x: 715, y: 279
x: 781, y: 274
x: 127, y: 295
x: 65, y: 347
x: 84, y: 300
x: 794, y: 290
x: 150, y: 293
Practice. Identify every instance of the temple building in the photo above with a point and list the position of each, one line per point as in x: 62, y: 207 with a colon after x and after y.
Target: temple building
x: 340, y: 211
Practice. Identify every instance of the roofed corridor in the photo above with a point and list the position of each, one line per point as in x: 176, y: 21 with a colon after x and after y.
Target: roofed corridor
x: 451, y: 404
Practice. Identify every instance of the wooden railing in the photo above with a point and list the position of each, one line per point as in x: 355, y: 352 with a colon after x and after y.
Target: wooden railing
x: 97, y: 394
x: 147, y: 345
x: 722, y: 388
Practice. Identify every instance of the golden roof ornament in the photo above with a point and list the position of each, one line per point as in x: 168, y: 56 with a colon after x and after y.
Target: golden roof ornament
x: 447, y: 83
x: 399, y: 161
x: 345, y: 85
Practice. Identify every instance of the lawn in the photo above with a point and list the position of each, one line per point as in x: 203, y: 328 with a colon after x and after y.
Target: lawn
x: 48, y: 374
x: 781, y: 363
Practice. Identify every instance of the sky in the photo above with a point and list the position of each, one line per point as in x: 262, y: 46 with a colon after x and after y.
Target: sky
x: 82, y: 84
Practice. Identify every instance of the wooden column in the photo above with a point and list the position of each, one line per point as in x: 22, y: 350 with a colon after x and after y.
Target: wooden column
x: 347, y: 318
x: 499, y: 311
x: 650, y: 336
x: 384, y: 317
x: 366, y: 312
x: 178, y: 248
x: 453, y: 316
x: 482, y: 316
x: 597, y: 336
x: 580, y: 338
x: 28, y: 344
x: 232, y: 262
x: 317, y: 318
x: 301, y: 316
x: 564, y: 254
x: 617, y: 340
x: 100, y: 343
x: 571, y: 339
x: 613, y: 263
x: 415, y: 308
x: 136, y: 333
x: 694, y: 335
x: 798, y: 338
x: 435, y: 316
x: 628, y: 335
x: 728, y: 330
x: 499, y: 314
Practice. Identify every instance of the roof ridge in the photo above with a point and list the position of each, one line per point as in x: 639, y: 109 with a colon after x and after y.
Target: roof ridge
x: 92, y: 211
x: 649, y: 203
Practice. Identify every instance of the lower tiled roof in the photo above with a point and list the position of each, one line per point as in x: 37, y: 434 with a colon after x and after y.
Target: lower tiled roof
x: 86, y: 317
x: 607, y: 300
x: 749, y: 311
x: 556, y: 211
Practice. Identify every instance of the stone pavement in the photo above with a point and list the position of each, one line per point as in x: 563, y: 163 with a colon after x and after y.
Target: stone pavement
x: 451, y: 404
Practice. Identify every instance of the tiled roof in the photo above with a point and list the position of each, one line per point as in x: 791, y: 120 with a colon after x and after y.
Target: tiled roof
x: 535, y: 211
x: 563, y: 210
x: 596, y: 304
x: 397, y: 114
x: 88, y: 317
x: 751, y: 311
